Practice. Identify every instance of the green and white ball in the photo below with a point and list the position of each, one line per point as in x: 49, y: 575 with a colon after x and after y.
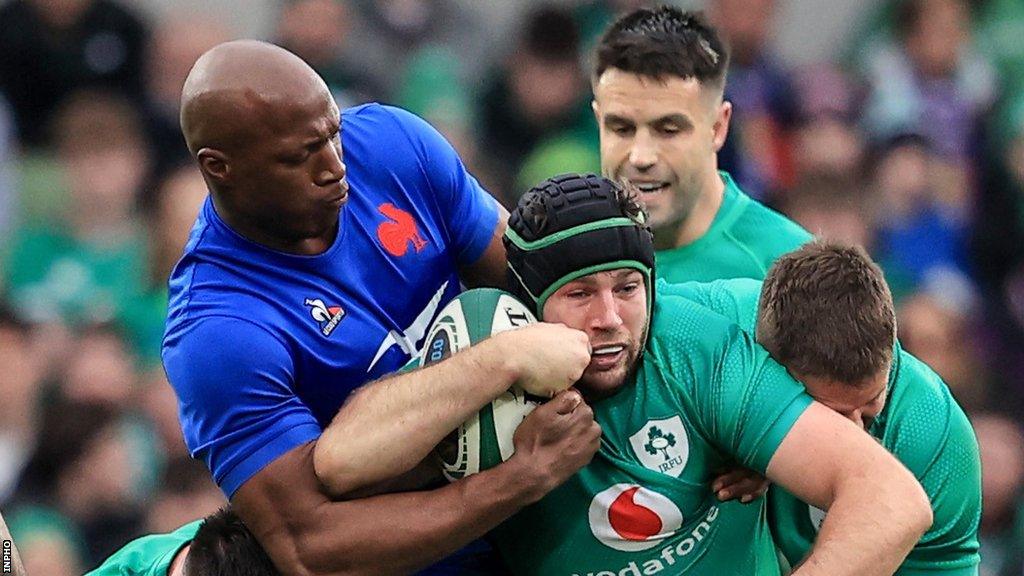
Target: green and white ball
x: 485, y: 440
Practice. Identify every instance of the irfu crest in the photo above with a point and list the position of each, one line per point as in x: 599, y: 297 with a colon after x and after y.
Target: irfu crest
x: 662, y: 446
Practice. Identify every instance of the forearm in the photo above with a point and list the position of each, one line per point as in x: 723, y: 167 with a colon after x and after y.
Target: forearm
x: 10, y: 552
x: 388, y: 534
x: 389, y: 426
x: 875, y: 520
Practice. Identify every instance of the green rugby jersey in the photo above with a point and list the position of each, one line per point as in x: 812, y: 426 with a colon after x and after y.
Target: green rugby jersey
x: 148, y: 556
x: 744, y: 239
x: 705, y: 394
x: 921, y: 424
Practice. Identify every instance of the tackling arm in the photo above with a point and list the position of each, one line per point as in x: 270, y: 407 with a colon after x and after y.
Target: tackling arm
x: 306, y: 533
x: 411, y: 413
x: 876, y: 509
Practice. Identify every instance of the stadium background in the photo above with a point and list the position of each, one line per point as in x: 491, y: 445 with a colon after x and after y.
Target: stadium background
x: 902, y: 134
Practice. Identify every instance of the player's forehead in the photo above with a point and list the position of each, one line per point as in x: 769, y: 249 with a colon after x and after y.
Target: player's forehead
x: 291, y: 123
x: 604, y: 278
x: 645, y: 98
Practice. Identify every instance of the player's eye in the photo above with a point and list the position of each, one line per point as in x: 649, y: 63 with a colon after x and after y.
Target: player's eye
x: 629, y: 288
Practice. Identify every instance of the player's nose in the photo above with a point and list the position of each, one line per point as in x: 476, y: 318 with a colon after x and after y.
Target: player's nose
x: 642, y: 154
x: 604, y: 312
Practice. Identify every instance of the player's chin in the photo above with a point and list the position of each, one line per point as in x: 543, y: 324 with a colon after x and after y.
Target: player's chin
x: 600, y: 383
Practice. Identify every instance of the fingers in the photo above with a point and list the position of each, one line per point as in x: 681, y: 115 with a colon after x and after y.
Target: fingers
x: 566, y: 401
x: 744, y: 485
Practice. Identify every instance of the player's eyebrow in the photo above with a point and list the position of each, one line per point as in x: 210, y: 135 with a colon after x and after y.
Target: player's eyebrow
x: 612, y: 118
x: 679, y: 119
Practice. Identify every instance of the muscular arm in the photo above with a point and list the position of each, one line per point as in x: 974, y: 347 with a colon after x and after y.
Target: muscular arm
x: 11, y: 553
x: 876, y: 509
x: 306, y: 533
x: 411, y: 413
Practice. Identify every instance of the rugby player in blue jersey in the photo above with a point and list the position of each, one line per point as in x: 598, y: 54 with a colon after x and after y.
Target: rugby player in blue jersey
x: 306, y: 276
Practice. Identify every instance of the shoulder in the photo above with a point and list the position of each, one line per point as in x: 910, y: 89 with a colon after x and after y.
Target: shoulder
x: 382, y: 121
x: 925, y: 425
x: 767, y: 231
x: 683, y: 328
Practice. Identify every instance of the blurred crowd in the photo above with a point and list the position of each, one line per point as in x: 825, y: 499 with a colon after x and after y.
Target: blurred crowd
x: 911, y: 144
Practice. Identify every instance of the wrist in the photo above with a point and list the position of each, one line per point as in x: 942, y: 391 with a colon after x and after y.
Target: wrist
x: 503, y: 358
x: 522, y: 481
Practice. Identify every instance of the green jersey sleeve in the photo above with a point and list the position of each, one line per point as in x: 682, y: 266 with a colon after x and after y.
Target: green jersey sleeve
x: 745, y: 402
x: 148, y: 556
x: 930, y: 434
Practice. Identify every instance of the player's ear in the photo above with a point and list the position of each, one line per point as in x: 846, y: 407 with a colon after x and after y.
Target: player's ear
x: 597, y: 110
x: 721, y: 126
x: 214, y: 164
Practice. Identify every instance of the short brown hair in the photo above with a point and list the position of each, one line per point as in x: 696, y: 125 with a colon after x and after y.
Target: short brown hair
x: 826, y: 311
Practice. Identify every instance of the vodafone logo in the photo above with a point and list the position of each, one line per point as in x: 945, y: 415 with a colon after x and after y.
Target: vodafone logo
x: 631, y: 518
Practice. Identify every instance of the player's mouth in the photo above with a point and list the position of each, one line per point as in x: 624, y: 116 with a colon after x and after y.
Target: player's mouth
x: 607, y: 356
x: 342, y: 196
x: 647, y: 188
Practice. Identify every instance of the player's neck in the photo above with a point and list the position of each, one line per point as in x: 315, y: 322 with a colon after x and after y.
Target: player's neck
x: 703, y: 213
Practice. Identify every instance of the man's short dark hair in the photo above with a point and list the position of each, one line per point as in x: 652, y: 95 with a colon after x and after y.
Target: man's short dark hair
x: 224, y: 546
x: 664, y: 41
x: 826, y: 311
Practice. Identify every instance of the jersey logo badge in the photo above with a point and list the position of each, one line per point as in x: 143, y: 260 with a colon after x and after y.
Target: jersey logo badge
x: 662, y: 446
x: 328, y: 317
x: 398, y: 231
x: 631, y: 518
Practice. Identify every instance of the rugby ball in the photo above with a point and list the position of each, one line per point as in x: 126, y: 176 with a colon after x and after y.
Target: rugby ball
x: 485, y: 440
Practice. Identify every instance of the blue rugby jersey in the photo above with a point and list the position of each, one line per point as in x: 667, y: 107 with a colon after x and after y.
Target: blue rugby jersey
x: 262, y: 347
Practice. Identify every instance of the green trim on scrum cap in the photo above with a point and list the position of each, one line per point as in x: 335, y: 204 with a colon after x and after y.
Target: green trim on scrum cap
x: 634, y: 264
x: 567, y: 233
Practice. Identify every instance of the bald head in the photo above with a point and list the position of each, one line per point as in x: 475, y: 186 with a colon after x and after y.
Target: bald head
x: 238, y: 88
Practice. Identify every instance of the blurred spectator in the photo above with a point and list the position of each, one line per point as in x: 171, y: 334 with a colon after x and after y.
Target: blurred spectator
x: 169, y: 212
x: 539, y: 93
x: 937, y: 328
x: 186, y: 493
x: 170, y: 216
x: 99, y: 368
x: 385, y: 33
x: 831, y: 206
x: 762, y: 94
x: 51, y: 48
x: 921, y: 231
x: 929, y: 80
x: 83, y: 466
x: 432, y: 89
x: 178, y: 41
x: 89, y: 266
x: 20, y: 381
x: 1000, y: 26
x: 559, y: 154
x: 827, y: 141
x: 999, y: 237
x: 594, y: 17
x: 1001, y: 442
x: 8, y: 193
x: 160, y: 407
x: 317, y: 30
x: 48, y: 542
